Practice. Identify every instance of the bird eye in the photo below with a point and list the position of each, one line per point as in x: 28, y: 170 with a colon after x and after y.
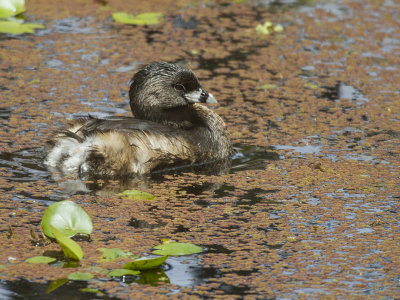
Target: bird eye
x: 179, y: 87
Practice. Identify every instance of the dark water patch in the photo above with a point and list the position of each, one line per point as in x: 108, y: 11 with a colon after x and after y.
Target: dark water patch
x: 183, y: 271
x: 26, y: 165
x: 69, y: 25
x: 234, y: 289
x: 181, y: 229
x: 213, y: 64
x: 24, y: 289
x: 252, y: 158
x: 5, y: 114
x: 224, y: 190
x: 179, y: 22
x: 271, y: 227
x: 303, y: 150
x: 274, y: 6
x: 136, y: 223
x: 215, y: 248
x: 151, y: 35
x: 254, y: 196
x: 343, y: 91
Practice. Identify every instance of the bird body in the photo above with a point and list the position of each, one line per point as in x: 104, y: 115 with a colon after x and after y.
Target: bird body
x: 170, y: 128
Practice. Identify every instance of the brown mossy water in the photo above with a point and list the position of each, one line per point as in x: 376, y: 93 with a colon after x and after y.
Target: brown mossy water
x: 310, y: 206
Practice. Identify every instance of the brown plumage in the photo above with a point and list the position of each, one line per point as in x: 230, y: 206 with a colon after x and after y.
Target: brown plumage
x: 170, y: 128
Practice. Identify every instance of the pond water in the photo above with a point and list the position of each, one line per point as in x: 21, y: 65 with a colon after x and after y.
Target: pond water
x: 307, y: 207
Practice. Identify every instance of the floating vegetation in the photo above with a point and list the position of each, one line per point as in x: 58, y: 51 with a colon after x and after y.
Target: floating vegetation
x: 41, y: 260
x: 68, y: 218
x: 268, y: 28
x: 70, y: 248
x: 137, y: 195
x: 146, y: 263
x: 123, y: 272
x: 151, y: 18
x: 14, y: 25
x: 176, y: 249
x: 10, y: 8
x: 80, y: 276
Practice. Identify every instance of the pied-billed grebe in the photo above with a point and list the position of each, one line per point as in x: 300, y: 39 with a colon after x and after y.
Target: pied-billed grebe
x: 170, y: 128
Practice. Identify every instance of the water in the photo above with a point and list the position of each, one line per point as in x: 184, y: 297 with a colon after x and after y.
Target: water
x: 233, y: 200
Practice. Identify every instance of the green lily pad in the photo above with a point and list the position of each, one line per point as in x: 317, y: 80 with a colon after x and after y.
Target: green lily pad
x: 177, y: 249
x: 137, y: 195
x: 114, y: 253
x: 80, y: 276
x: 150, y: 18
x: 15, y: 27
x: 9, y: 8
x: 70, y: 248
x: 55, y: 284
x: 66, y: 216
x: 123, y: 272
x: 40, y: 260
x: 146, y: 263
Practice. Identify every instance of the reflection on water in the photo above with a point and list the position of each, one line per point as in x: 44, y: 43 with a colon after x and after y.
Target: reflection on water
x: 24, y: 289
x: 27, y: 166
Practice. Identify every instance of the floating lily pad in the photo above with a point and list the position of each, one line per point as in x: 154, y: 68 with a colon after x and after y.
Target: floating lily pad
x: 123, y: 272
x: 80, y: 276
x: 15, y: 27
x: 151, y: 18
x: 66, y: 216
x: 70, y: 248
x: 55, y: 284
x: 9, y: 8
x: 114, y: 253
x: 146, y: 263
x: 177, y: 249
x: 40, y: 260
x: 138, y: 195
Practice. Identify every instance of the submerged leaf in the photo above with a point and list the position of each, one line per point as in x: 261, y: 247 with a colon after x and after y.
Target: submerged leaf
x: 123, y: 272
x: 177, y: 249
x: 41, y: 259
x: 15, y: 27
x: 145, y: 263
x: 135, y: 194
x: 66, y: 216
x: 9, y: 8
x: 80, y: 276
x: 114, y: 253
x: 89, y: 290
x: 151, y: 18
x: 55, y: 284
x: 70, y: 248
